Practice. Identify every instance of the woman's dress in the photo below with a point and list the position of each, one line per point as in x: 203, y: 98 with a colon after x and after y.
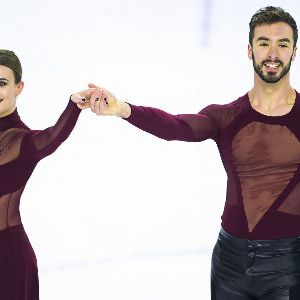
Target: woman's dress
x: 20, y: 150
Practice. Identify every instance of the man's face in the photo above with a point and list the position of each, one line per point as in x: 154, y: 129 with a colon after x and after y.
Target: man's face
x: 272, y: 51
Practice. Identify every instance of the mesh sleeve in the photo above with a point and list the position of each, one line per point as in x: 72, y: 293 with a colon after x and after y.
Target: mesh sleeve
x: 181, y: 127
x: 41, y: 143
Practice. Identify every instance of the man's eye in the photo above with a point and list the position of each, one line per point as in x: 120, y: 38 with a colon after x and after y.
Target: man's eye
x: 2, y: 83
x: 283, y: 46
x: 263, y: 44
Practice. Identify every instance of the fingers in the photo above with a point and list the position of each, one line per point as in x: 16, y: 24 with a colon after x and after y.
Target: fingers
x: 98, y: 109
x: 83, y: 105
x: 102, y: 104
x: 87, y: 93
x: 95, y: 101
x: 92, y: 85
x: 99, y: 102
x: 98, y: 99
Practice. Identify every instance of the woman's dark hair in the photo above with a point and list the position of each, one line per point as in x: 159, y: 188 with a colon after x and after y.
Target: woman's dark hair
x: 10, y: 59
x: 270, y: 15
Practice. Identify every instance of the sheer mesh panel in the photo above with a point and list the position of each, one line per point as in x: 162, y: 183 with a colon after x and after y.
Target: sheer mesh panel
x: 20, y: 151
x: 44, y: 142
x: 9, y: 209
x: 43, y: 138
x: 261, y: 156
x: 203, y: 127
x: 220, y: 115
x: 266, y: 158
x: 291, y: 204
x: 185, y: 127
x: 10, y: 143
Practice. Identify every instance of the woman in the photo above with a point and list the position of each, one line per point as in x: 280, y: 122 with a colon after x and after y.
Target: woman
x: 20, y: 151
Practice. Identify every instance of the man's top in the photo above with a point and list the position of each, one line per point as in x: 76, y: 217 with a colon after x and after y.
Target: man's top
x: 261, y: 156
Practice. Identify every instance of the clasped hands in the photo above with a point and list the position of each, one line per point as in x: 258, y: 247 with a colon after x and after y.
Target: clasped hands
x: 101, y: 102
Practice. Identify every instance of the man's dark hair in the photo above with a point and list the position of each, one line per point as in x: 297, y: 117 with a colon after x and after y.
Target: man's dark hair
x: 270, y: 15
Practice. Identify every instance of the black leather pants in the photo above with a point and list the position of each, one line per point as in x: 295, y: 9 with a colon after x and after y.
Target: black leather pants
x: 244, y: 269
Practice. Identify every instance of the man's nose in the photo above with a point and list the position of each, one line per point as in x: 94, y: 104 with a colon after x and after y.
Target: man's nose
x: 273, y: 52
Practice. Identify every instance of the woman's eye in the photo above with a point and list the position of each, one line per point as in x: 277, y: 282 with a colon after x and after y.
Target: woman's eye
x: 2, y: 83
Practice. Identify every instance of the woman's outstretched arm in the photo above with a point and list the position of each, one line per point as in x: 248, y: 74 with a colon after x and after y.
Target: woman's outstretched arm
x: 41, y: 143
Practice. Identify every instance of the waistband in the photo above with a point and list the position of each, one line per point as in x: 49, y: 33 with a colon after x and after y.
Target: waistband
x: 9, y: 233
x: 280, y: 244
x: 10, y: 229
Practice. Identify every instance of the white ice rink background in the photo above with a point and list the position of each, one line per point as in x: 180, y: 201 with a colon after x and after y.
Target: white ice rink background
x: 116, y: 213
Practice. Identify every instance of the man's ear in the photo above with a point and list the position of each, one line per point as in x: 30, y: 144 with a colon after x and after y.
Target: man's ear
x: 294, y: 54
x: 250, y: 51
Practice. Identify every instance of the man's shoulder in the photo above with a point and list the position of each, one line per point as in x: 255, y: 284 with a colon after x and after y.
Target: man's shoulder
x: 229, y: 107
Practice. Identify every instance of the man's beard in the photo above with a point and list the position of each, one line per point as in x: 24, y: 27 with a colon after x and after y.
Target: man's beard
x: 271, y: 77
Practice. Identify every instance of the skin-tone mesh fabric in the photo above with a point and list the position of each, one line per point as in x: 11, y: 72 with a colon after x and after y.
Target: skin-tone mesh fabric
x: 264, y: 164
x: 44, y: 142
x: 10, y: 142
x: 20, y: 151
x: 9, y: 209
x: 260, y: 154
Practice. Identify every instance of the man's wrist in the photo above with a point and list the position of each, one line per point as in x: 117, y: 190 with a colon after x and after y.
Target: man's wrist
x: 125, y: 110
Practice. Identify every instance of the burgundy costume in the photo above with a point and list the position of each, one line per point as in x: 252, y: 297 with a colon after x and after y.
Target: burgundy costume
x: 261, y: 156
x: 20, y: 151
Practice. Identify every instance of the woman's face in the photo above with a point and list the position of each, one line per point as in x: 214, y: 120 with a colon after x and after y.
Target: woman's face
x: 9, y: 90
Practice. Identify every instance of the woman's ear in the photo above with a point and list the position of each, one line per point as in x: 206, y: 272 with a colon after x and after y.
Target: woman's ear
x: 19, y: 88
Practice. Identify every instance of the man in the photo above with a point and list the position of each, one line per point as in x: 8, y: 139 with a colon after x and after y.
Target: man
x: 257, y: 254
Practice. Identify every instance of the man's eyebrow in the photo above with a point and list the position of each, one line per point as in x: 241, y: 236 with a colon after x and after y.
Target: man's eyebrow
x: 4, y: 79
x: 263, y: 38
x: 285, y: 40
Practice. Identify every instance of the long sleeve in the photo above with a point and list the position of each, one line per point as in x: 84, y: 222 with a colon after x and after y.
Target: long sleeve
x: 41, y: 143
x: 182, y: 127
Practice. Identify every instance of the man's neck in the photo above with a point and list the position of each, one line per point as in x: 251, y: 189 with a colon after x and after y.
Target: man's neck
x: 268, y: 96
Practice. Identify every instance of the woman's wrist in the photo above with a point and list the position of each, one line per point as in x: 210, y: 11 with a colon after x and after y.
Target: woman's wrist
x: 75, y: 98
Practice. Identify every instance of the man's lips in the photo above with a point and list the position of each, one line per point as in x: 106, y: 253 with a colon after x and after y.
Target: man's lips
x: 270, y: 62
x: 271, y: 66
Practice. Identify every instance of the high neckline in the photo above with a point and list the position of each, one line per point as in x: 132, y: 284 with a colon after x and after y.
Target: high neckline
x: 10, y: 121
x: 286, y: 115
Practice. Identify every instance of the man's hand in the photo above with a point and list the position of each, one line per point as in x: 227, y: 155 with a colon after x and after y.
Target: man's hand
x: 102, y: 102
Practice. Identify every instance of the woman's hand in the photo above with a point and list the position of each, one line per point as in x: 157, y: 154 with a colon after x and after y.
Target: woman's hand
x: 82, y: 98
x: 102, y: 102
